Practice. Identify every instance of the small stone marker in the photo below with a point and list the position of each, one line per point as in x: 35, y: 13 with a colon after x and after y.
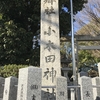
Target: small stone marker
x: 29, y: 84
x: 61, y: 88
x: 10, y: 88
x: 86, y: 88
x: 96, y: 90
x: 2, y: 81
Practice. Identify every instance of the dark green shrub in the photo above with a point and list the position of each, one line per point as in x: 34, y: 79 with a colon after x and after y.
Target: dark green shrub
x: 11, y: 70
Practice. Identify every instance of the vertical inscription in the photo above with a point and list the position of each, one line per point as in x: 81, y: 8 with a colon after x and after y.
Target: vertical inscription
x: 50, y: 43
x: 34, y: 87
x: 21, y: 94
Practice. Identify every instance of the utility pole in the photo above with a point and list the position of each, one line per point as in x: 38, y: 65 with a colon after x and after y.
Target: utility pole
x: 72, y: 41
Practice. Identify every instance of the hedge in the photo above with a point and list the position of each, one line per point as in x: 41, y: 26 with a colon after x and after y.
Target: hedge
x: 10, y: 70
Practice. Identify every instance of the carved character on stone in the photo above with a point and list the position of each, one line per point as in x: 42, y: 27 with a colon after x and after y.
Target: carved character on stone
x: 49, y: 74
x: 49, y: 11
x: 50, y: 58
x: 49, y: 31
x: 50, y: 45
x: 87, y: 94
x: 33, y: 97
x: 49, y: 96
x: 34, y: 87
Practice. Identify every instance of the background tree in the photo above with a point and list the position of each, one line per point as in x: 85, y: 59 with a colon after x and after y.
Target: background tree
x: 88, y: 19
x: 89, y: 23
x: 19, y: 22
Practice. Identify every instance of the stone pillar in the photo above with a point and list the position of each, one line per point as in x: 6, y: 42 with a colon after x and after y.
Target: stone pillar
x: 10, y: 88
x: 50, y: 46
x: 86, y: 88
x: 61, y: 88
x: 50, y: 42
x: 96, y: 90
x: 29, y: 84
x: 2, y: 81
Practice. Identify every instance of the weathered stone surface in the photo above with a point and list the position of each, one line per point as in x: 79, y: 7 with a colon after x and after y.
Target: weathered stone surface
x: 2, y: 81
x: 61, y: 88
x: 50, y: 42
x: 50, y: 47
x: 82, y: 73
x: 96, y: 90
x: 86, y: 88
x: 29, y: 84
x: 10, y: 88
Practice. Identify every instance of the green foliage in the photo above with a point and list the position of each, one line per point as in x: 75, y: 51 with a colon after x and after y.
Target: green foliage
x: 62, y: 48
x: 28, y: 13
x: 65, y: 49
x: 88, y: 62
x: 10, y: 70
x: 86, y: 57
x: 0, y: 16
x: 65, y: 18
x: 19, y: 22
x: 15, y: 44
x: 92, y: 28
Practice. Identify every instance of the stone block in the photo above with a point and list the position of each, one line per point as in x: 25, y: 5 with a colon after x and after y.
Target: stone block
x: 86, y: 88
x: 10, y: 88
x: 61, y: 88
x: 29, y: 84
x: 96, y: 90
x: 2, y: 81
